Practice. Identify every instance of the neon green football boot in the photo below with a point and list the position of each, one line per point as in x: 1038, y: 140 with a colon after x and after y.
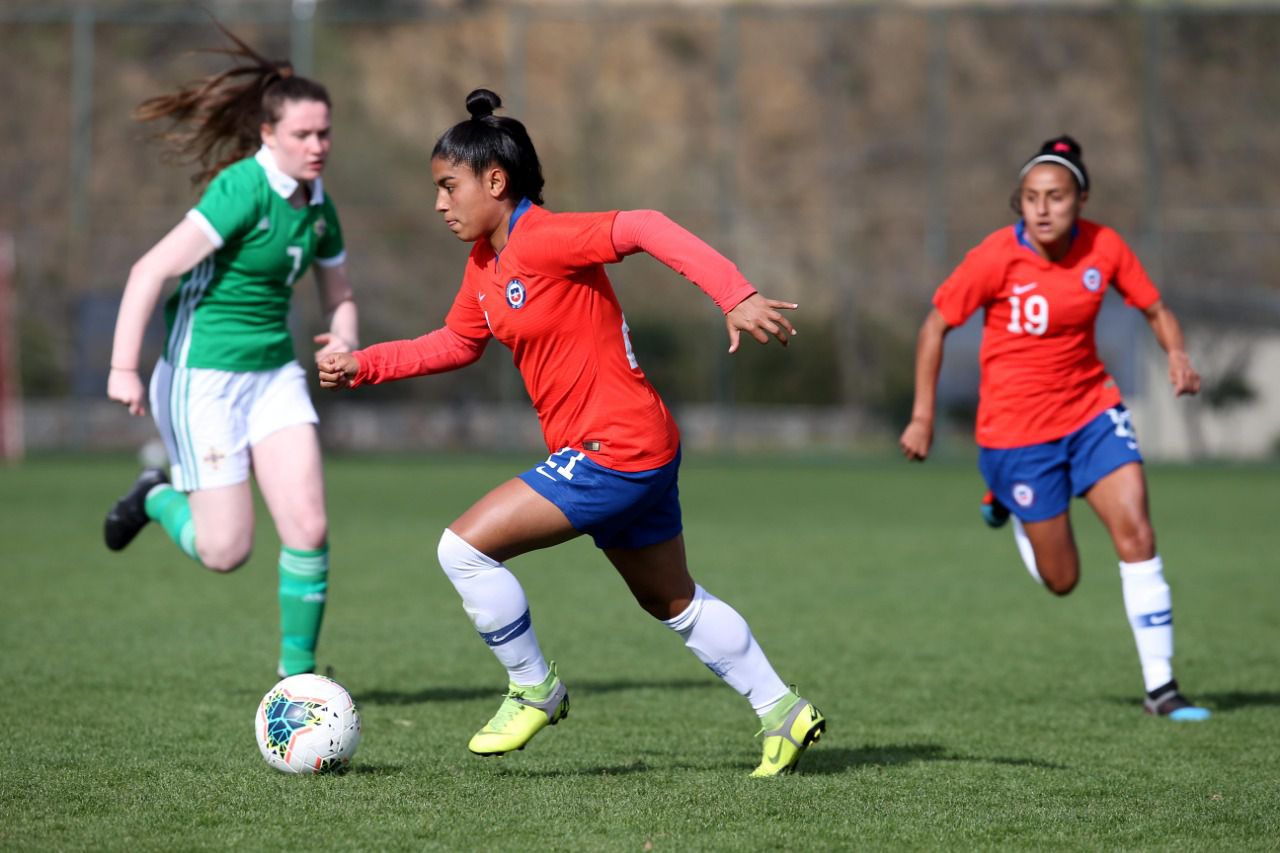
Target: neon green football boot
x: 801, y: 724
x: 524, y: 712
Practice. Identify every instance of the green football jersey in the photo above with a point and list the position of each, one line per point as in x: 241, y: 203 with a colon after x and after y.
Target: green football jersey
x: 231, y: 311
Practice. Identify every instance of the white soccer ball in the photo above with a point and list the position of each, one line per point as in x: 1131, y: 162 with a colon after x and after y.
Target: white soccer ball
x: 308, y: 724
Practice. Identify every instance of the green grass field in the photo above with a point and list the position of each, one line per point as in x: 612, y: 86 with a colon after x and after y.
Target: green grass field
x: 967, y: 707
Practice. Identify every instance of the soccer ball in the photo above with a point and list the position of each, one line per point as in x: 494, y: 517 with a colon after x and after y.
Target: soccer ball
x: 308, y: 724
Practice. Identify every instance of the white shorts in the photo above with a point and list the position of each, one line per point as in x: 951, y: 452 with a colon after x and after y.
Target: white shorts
x: 209, y: 419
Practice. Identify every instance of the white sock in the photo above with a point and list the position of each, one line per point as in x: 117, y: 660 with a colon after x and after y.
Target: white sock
x: 720, y: 638
x: 496, y: 603
x: 1148, y: 605
x: 1024, y: 548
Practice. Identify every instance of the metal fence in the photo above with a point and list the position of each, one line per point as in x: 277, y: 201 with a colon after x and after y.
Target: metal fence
x: 845, y: 155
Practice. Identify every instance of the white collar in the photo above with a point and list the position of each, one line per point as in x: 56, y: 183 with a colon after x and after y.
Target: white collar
x: 284, y: 185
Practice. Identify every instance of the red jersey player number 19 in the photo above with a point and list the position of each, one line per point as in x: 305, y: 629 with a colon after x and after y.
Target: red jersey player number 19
x: 1051, y: 423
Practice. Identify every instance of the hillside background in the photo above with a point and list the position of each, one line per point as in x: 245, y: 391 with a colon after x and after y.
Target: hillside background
x: 844, y: 155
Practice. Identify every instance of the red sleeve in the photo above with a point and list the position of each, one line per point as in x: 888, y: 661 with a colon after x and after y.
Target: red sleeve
x: 972, y: 284
x: 568, y: 242
x: 1131, y: 280
x: 652, y: 232
x: 435, y: 352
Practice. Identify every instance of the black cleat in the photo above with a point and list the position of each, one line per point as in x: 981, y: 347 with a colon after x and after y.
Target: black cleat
x: 129, y: 515
x: 994, y: 513
x: 1168, y: 701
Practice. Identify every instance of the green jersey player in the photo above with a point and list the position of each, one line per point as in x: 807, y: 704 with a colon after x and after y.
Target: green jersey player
x: 227, y: 394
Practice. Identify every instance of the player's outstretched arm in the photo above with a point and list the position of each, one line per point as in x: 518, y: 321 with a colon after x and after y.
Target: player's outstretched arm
x: 760, y: 318
x: 744, y: 309
x: 917, y: 438
x: 434, y: 352
x: 1182, y: 376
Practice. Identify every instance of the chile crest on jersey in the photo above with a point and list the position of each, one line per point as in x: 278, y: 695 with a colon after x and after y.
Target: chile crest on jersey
x: 1092, y: 279
x: 517, y: 295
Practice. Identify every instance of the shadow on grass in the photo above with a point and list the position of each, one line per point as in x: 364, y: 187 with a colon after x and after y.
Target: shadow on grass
x: 820, y: 760
x: 1234, y: 700
x: 1221, y: 701
x: 563, y: 773
x: 577, y: 690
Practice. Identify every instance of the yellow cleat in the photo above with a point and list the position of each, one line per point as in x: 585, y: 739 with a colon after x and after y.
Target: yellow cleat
x: 784, y: 745
x: 524, y: 712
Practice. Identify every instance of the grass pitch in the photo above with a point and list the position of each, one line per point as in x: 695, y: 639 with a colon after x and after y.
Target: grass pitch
x: 967, y: 707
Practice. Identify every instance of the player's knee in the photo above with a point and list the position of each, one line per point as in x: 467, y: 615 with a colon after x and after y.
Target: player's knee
x: 1060, y: 576
x: 660, y: 607
x: 310, y: 533
x: 223, y: 555
x: 458, y: 558
x: 1136, y: 544
x: 1061, y: 585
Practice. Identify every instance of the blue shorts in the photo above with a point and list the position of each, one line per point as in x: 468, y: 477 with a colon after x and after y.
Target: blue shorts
x: 619, y: 509
x: 1036, y: 482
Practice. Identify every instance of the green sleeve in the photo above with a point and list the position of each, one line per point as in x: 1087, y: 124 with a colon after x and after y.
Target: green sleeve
x: 330, y: 246
x: 232, y: 204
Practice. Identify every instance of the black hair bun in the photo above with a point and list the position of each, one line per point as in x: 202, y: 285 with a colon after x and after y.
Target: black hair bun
x: 1064, y: 146
x: 482, y: 102
x: 1064, y: 151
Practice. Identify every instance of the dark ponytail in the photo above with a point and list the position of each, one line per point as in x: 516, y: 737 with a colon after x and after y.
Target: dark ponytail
x: 486, y: 140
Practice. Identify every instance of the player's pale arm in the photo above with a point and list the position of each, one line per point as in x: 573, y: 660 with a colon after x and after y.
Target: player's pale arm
x: 339, y: 306
x: 176, y: 253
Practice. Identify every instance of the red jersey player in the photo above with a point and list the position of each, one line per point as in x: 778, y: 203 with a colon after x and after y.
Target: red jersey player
x: 1051, y: 423
x: 535, y: 280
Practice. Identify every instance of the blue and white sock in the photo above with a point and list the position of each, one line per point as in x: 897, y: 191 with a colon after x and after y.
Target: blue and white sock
x: 496, y: 603
x: 720, y: 638
x: 1148, y: 604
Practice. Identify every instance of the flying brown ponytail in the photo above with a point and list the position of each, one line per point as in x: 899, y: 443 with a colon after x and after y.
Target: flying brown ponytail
x: 216, y: 121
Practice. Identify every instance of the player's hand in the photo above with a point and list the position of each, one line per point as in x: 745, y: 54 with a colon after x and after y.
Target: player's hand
x: 1182, y: 376
x: 916, y: 439
x: 125, y: 386
x: 337, y: 370
x: 330, y: 343
x: 758, y: 316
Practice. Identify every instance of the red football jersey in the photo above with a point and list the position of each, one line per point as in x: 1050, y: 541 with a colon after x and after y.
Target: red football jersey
x: 546, y: 297
x: 1041, y: 375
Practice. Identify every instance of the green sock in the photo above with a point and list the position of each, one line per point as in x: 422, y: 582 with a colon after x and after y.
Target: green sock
x: 304, y: 581
x: 777, y: 715
x: 170, y: 507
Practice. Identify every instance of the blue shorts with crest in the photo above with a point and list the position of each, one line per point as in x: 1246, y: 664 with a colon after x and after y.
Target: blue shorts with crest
x: 618, y: 509
x: 1037, y: 482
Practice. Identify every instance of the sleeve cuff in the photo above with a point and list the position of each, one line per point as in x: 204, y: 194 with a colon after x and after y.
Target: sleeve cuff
x: 207, y: 227
x: 336, y: 260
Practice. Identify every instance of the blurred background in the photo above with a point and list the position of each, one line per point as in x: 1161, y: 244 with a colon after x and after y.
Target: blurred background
x: 845, y: 155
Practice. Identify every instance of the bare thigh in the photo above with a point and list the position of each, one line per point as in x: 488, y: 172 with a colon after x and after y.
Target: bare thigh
x: 289, y: 472
x: 657, y: 575
x: 1120, y: 500
x: 1057, y: 559
x: 511, y: 520
x: 223, y: 518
